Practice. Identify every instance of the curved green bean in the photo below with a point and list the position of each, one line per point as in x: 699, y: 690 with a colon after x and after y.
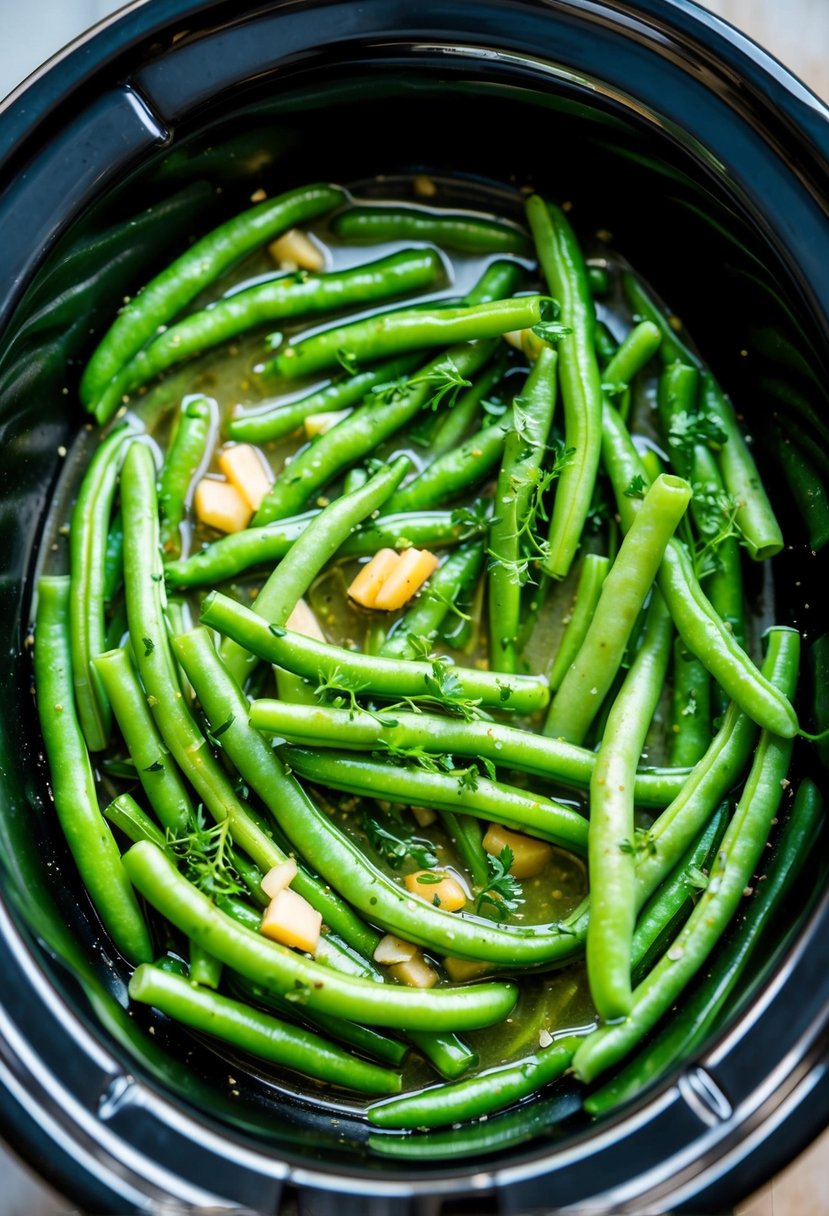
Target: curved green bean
x: 581, y: 385
x: 383, y: 677
x: 281, y: 970
x: 171, y: 290
x: 86, y: 831
x: 393, y: 333
x: 448, y: 229
x: 187, y: 456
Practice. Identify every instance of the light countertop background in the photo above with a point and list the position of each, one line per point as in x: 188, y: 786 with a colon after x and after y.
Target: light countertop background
x: 797, y: 33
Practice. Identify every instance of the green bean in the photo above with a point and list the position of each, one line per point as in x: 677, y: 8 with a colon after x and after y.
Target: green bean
x: 257, y: 1033
x: 261, y: 425
x: 492, y: 801
x: 447, y: 229
x: 404, y: 330
x: 318, y: 542
x: 702, y: 1009
x: 205, y: 970
x: 672, y: 901
x: 807, y: 486
x: 87, y: 834
x: 225, y: 707
x: 114, y: 559
x: 187, y: 457
x: 445, y: 477
x: 690, y: 727
x: 499, y: 279
x: 739, y: 854
x: 611, y: 849
x: 281, y: 970
x: 370, y: 1042
x: 581, y: 389
x: 523, y: 452
x: 232, y: 555
x: 87, y: 560
x: 281, y: 299
x: 405, y: 733
x: 171, y: 290
x: 155, y: 767
x: 704, y: 633
x: 624, y: 590
x: 672, y: 347
x: 360, y: 434
x: 637, y: 348
x: 591, y: 577
x: 394, y: 678
x: 422, y: 620
x: 156, y: 664
x: 755, y: 516
x: 126, y: 815
x: 491, y: 1090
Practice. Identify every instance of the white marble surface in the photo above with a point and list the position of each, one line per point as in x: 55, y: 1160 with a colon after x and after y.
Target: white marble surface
x: 797, y: 33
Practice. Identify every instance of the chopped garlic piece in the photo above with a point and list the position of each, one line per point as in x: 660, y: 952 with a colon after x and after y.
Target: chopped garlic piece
x: 290, y: 920
x: 220, y: 505
x: 278, y: 877
x: 319, y: 424
x: 245, y: 467
x: 460, y: 970
x: 391, y: 949
x: 416, y: 973
x: 423, y: 816
x: 303, y: 620
x: 295, y: 250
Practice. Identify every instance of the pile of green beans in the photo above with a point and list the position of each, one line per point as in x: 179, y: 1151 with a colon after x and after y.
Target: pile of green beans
x: 576, y: 716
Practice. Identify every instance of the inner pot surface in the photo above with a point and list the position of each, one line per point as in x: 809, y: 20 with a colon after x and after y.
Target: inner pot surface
x: 708, y: 166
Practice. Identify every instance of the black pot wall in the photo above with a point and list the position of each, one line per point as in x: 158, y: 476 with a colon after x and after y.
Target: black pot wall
x: 709, y: 167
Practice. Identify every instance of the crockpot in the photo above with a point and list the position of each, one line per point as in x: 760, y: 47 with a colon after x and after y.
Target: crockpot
x: 709, y: 165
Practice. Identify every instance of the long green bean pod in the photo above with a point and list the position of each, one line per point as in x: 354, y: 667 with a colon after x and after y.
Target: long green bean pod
x: 611, y: 850
x: 87, y: 560
x: 404, y: 733
x: 264, y: 423
x: 187, y: 456
x: 277, y: 301
x: 403, y: 330
x: 225, y: 706
x: 155, y: 767
x: 369, y: 223
x: 523, y: 454
x: 282, y: 970
x: 581, y: 386
x: 392, y: 678
x: 361, y: 432
x: 699, y: 626
x: 493, y: 801
x: 86, y: 831
x: 739, y: 854
x: 591, y: 577
x: 755, y: 517
x: 623, y: 594
x: 171, y: 290
x: 257, y: 1033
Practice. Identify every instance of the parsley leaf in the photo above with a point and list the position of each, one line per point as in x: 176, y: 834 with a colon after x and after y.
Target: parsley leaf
x: 503, y: 893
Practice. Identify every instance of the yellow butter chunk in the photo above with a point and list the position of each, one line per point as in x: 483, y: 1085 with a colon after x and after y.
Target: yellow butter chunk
x: 373, y: 575
x: 437, y: 888
x: 290, y: 920
x: 245, y: 467
x: 407, y: 577
x: 220, y: 505
x: 416, y: 972
x: 303, y: 620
